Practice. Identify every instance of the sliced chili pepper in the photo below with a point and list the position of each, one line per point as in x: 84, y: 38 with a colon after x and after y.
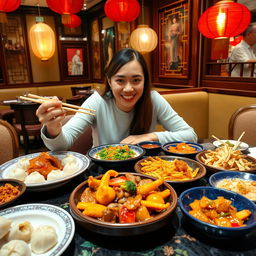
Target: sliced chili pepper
x: 126, y: 215
x: 235, y: 225
x: 117, y: 181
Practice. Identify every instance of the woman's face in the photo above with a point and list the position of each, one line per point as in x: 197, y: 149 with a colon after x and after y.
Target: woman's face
x: 127, y: 85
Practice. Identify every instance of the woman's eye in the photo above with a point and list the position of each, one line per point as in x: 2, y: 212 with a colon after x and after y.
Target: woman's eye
x: 136, y: 81
x: 120, y: 81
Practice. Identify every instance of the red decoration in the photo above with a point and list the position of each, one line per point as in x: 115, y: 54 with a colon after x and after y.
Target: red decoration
x: 75, y: 21
x: 122, y: 10
x: 224, y: 19
x: 7, y: 6
x: 236, y: 40
x: 66, y: 8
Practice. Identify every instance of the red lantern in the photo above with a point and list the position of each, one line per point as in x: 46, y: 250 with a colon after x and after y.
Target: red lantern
x: 66, y: 8
x: 236, y: 40
x: 7, y: 6
x: 224, y: 19
x: 122, y: 10
x: 75, y: 21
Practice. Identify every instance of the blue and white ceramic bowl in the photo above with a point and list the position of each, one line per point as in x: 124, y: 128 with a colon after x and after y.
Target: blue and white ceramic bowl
x: 116, y: 164
x: 238, y: 201
x: 198, y: 147
x: 218, y: 176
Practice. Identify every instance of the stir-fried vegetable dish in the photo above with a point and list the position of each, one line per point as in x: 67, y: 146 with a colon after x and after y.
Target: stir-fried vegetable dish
x: 116, y: 153
x: 218, y: 212
x: 123, y: 199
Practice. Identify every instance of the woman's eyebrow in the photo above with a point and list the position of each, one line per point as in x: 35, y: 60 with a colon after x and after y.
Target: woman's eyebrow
x: 125, y: 76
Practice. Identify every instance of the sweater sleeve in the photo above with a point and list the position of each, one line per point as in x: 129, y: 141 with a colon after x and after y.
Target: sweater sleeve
x: 73, y: 128
x: 176, y: 128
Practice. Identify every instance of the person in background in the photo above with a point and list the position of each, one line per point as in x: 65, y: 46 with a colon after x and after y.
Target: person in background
x: 126, y: 112
x: 243, y: 52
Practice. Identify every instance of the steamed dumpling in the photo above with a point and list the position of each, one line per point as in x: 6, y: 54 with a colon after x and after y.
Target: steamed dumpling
x: 35, y: 177
x: 20, y: 231
x: 15, y: 248
x: 68, y: 159
x: 43, y: 239
x: 5, y: 225
x: 70, y: 168
x: 17, y: 173
x: 23, y: 163
x: 55, y: 174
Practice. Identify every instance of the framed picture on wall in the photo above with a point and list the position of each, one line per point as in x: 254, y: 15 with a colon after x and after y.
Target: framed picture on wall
x: 72, y: 32
x: 95, y: 46
x: 108, y: 45
x: 75, y: 60
x: 174, y: 35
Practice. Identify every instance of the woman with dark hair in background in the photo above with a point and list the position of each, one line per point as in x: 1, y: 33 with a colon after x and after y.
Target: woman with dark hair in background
x: 127, y: 112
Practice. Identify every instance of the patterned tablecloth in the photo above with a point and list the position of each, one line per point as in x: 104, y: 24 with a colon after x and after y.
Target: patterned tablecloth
x: 178, y: 238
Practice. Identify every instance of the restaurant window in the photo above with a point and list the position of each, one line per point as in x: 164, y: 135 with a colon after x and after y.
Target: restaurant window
x: 15, y: 54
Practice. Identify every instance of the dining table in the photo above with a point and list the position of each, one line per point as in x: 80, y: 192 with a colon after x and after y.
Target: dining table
x: 178, y: 238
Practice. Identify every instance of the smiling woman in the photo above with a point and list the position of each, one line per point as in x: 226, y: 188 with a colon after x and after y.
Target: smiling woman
x: 127, y: 111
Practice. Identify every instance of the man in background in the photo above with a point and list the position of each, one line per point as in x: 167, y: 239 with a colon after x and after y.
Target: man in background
x: 243, y: 52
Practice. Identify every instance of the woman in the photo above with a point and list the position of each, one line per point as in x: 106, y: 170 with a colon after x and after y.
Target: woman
x: 127, y: 112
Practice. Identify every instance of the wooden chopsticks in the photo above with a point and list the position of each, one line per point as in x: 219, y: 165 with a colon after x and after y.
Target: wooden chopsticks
x: 238, y: 141
x: 69, y: 107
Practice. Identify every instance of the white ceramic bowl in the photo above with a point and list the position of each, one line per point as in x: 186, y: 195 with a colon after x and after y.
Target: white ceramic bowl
x: 243, y: 146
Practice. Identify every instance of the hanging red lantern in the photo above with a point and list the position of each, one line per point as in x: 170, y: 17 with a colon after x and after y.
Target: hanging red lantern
x: 122, y: 10
x: 236, y: 40
x: 66, y: 8
x: 7, y: 6
x: 75, y: 21
x: 224, y: 19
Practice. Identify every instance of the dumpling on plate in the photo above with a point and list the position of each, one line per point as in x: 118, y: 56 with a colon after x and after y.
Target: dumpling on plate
x: 15, y: 248
x: 70, y: 168
x: 5, y: 225
x: 17, y: 173
x: 23, y: 163
x: 55, y: 174
x: 69, y: 159
x: 35, y: 177
x: 43, y: 238
x: 20, y: 231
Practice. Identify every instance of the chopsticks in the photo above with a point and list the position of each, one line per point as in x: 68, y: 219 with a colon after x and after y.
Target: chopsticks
x: 69, y: 107
x: 238, y: 141
x: 221, y: 142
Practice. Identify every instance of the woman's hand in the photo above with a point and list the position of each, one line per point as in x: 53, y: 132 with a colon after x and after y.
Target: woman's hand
x: 134, y: 139
x: 51, y: 114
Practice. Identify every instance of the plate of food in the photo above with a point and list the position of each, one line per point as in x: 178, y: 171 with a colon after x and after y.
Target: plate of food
x: 45, y: 170
x: 111, y: 156
x: 226, y: 159
x: 172, y: 169
x: 41, y: 229
x: 242, y: 146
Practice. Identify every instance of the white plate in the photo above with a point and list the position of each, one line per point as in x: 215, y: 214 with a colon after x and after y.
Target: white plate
x: 45, y: 214
x: 82, y: 160
x: 243, y: 146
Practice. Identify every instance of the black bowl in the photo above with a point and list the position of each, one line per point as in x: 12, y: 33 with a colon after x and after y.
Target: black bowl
x: 16, y: 183
x: 198, y: 147
x: 122, y: 229
x: 238, y: 201
x: 116, y: 164
x: 152, y: 148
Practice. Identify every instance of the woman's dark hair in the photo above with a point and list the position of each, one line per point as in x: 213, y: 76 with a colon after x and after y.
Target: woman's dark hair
x: 143, y: 109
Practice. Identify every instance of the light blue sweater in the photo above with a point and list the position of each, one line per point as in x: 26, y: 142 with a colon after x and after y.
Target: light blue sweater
x: 111, y: 125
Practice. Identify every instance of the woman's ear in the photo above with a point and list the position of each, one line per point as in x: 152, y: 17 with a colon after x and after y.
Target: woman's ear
x: 109, y: 81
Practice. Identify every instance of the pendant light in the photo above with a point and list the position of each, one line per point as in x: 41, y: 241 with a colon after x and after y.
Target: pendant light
x: 75, y: 21
x: 143, y: 39
x: 224, y: 19
x: 122, y: 10
x: 7, y: 6
x: 42, y: 39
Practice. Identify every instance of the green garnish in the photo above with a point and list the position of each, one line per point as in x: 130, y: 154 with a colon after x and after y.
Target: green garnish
x: 129, y: 186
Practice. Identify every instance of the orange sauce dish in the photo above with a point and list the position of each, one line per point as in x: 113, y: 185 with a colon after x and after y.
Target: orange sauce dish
x: 182, y: 148
x: 150, y: 146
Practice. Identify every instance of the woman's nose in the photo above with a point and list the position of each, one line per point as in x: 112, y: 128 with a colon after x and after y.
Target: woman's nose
x: 128, y: 87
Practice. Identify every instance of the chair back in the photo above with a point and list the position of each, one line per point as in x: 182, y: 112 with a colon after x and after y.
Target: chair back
x: 9, y: 147
x: 84, y: 142
x: 244, y: 119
